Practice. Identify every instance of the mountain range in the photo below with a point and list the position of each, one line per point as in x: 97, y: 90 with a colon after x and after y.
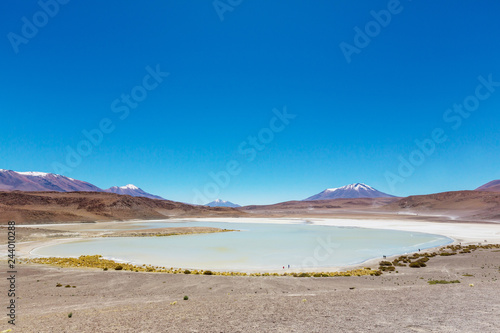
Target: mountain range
x: 352, y: 191
x: 41, y: 181
x: 222, y: 203
x: 36, y: 197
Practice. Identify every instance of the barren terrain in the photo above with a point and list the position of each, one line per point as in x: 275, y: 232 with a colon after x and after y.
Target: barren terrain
x: 57, y: 207
x: 119, y: 301
x: 446, y: 206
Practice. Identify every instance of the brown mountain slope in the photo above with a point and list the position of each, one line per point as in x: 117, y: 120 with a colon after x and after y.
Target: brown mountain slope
x: 53, y: 207
x: 462, y: 205
x: 493, y: 186
x: 320, y: 207
x: 41, y: 181
x: 11, y: 180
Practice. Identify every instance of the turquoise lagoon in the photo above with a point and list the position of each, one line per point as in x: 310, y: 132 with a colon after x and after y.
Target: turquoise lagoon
x: 256, y: 247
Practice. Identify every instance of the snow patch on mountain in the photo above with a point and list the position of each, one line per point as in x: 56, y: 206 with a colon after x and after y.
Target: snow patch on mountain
x: 129, y: 187
x: 34, y: 173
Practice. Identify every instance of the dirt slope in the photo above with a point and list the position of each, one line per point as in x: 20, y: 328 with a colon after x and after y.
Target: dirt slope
x: 48, y: 207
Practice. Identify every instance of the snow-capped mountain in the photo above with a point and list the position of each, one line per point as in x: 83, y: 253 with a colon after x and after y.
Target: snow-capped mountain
x: 357, y: 190
x: 221, y: 203
x: 133, y: 191
x: 42, y: 181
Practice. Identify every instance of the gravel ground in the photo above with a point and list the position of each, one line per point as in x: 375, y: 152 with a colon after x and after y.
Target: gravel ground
x: 119, y: 301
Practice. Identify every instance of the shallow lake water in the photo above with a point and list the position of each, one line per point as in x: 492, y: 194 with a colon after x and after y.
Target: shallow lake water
x: 257, y: 246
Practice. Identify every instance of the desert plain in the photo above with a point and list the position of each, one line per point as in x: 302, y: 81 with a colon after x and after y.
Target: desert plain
x: 65, y: 299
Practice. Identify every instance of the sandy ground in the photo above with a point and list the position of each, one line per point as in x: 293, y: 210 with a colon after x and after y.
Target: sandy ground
x: 120, y: 301
x: 166, y: 232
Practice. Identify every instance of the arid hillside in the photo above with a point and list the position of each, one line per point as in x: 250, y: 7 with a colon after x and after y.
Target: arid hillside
x: 57, y: 207
x: 320, y: 207
x: 54, y: 207
x: 461, y: 205
x: 493, y: 186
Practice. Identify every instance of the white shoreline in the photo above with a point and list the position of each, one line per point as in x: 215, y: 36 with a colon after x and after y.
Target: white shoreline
x: 459, y: 231
x: 465, y: 233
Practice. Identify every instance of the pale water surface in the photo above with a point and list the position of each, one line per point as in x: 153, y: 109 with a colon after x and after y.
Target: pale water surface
x: 258, y: 246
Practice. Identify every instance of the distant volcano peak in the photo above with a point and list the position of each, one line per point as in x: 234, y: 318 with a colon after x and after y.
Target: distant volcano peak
x: 355, y: 190
x: 132, y: 190
x: 221, y: 203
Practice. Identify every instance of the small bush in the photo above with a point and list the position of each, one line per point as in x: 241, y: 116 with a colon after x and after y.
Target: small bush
x: 58, y: 285
x: 385, y: 263
x: 387, y: 268
x: 67, y: 286
x: 447, y: 254
x: 187, y: 271
x: 118, y: 268
x: 442, y: 281
x: 186, y: 298
x: 70, y: 314
x: 208, y: 273
x: 417, y: 264
x: 105, y: 269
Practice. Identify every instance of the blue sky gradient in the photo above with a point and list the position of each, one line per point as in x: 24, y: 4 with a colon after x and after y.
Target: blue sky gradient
x: 354, y: 120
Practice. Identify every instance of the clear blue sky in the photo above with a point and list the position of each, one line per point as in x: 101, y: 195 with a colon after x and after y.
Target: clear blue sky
x: 354, y: 120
